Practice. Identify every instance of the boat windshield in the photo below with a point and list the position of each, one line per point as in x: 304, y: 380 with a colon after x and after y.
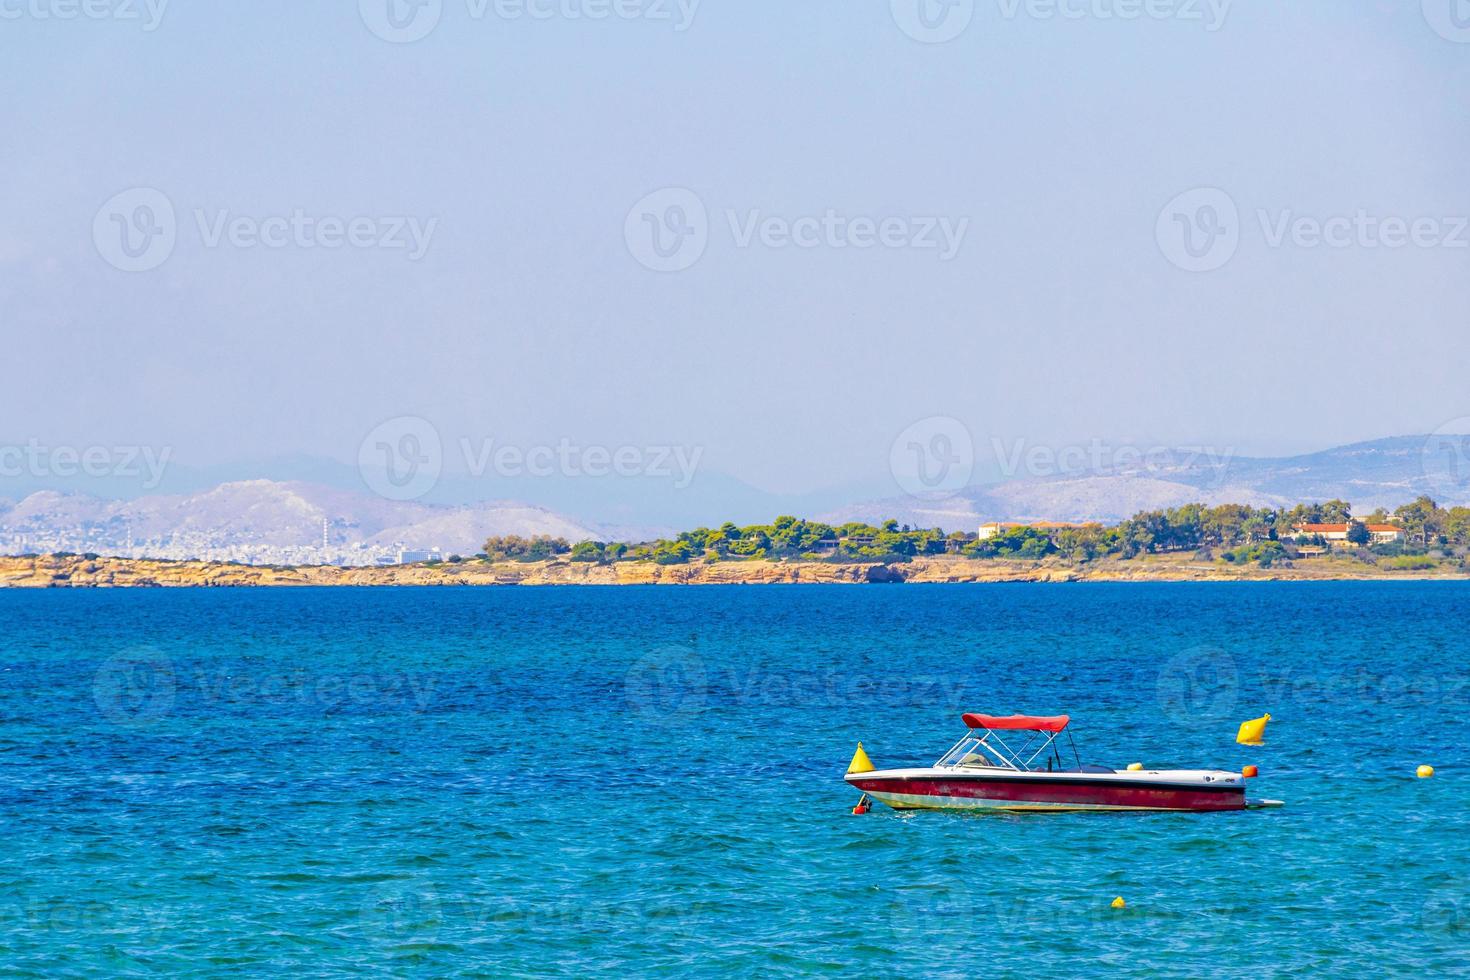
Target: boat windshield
x: 989, y: 749
x: 972, y: 752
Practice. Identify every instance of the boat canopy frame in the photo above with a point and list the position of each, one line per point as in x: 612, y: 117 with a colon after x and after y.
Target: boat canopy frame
x: 1011, y: 757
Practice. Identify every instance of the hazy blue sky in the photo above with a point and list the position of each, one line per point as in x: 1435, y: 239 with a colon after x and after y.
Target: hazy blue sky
x: 519, y: 145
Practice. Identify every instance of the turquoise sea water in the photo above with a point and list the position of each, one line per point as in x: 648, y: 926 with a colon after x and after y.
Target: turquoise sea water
x: 567, y: 781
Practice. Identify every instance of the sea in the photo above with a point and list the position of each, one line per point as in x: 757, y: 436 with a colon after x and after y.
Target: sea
x: 575, y: 781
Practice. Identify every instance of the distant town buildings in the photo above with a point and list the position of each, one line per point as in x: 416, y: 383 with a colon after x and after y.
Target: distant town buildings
x: 202, y: 545
x: 1338, y: 533
x: 995, y: 528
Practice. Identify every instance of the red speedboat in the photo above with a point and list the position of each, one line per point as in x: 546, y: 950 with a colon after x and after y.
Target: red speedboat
x: 1017, y: 763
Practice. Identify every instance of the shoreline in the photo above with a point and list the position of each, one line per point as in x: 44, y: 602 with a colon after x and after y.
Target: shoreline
x: 50, y: 571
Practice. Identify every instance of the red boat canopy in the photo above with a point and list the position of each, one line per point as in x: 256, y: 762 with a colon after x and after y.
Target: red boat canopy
x: 1018, y: 723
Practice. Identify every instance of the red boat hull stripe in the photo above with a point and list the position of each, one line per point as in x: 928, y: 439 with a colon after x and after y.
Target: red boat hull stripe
x: 1087, y: 793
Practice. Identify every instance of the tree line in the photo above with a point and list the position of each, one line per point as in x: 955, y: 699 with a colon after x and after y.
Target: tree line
x: 1236, y: 532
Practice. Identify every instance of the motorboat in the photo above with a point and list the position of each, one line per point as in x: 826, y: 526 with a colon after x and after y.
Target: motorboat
x: 1017, y: 763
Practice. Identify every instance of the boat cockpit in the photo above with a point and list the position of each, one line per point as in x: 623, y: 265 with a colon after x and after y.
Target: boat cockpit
x: 1034, y: 747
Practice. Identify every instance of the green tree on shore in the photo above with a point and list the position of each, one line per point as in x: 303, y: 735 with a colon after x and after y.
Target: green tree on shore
x: 1238, y: 531
x: 1422, y: 518
x: 516, y: 548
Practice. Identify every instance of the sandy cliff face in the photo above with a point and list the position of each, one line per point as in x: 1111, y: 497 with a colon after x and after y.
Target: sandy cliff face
x: 76, y: 572
x: 53, y: 572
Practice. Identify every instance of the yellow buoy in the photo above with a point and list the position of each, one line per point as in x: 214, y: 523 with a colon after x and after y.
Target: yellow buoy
x: 1118, y: 902
x: 1134, y: 766
x: 1253, y: 730
x: 1424, y: 772
x: 860, y: 761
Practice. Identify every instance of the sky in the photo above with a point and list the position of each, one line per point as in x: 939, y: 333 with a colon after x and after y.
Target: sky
x: 773, y: 236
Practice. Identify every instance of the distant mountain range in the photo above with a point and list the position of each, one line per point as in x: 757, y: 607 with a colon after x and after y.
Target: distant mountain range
x: 636, y: 506
x: 1382, y: 473
x: 281, y: 521
x: 267, y: 521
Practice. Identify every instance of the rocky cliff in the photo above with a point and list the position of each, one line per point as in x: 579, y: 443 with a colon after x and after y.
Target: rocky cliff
x: 49, y: 571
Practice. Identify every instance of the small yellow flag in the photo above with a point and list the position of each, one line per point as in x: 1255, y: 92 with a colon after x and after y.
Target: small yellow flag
x: 860, y: 761
x: 1253, y: 730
